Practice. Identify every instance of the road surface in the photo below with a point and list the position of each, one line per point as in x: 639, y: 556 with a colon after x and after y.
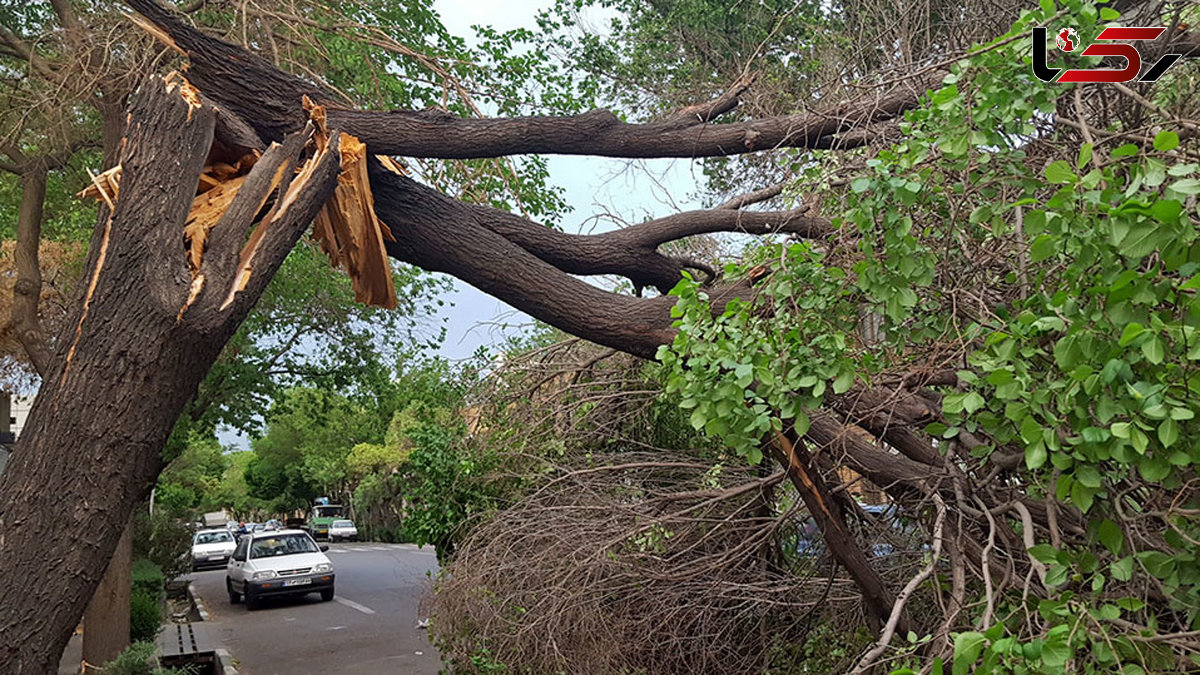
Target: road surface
x: 370, y: 627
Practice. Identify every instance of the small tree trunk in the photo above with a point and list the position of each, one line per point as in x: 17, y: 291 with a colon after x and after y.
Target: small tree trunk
x: 106, y: 622
x: 825, y: 511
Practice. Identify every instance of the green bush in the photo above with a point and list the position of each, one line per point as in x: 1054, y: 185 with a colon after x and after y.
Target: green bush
x: 147, y: 578
x: 145, y: 616
x: 164, y: 540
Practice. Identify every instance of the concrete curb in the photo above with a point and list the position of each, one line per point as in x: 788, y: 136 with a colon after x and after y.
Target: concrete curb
x: 198, y: 602
x: 223, y: 655
x: 226, y: 660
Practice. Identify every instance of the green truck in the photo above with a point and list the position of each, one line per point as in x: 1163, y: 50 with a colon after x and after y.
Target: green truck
x: 322, y: 514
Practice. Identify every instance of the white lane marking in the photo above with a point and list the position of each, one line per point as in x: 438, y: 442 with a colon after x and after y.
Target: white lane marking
x: 336, y: 550
x: 354, y: 605
x: 335, y: 628
x: 358, y: 550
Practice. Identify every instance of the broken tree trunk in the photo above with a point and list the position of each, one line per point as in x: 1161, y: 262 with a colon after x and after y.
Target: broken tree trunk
x: 131, y: 358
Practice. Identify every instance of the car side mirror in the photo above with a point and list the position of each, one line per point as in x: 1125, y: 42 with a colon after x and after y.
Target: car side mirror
x: 324, y: 547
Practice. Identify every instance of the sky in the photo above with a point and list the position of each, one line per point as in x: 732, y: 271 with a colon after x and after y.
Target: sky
x: 633, y: 190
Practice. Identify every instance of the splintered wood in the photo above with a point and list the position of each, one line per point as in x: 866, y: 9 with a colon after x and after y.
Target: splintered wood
x: 347, y: 228
x: 350, y: 232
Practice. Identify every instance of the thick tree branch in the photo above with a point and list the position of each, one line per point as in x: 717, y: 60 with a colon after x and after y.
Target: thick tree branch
x: 25, y: 321
x: 267, y: 98
x: 632, y: 252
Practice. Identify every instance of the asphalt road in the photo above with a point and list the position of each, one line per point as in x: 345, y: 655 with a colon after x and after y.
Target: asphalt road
x: 370, y: 627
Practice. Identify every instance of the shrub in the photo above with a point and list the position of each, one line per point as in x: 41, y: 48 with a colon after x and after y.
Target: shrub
x: 138, y: 659
x: 165, y: 541
x: 145, y: 616
x: 147, y: 578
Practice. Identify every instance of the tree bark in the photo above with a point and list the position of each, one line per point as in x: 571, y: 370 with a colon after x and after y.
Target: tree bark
x: 823, y: 508
x: 268, y: 99
x: 129, y: 361
x: 106, y: 621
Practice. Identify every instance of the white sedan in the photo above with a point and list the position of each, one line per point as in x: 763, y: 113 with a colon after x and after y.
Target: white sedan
x: 284, y: 562
x: 211, y: 548
x: 343, y: 530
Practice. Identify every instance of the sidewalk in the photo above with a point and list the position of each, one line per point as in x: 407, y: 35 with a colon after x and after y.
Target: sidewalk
x: 173, y: 639
x: 72, y: 656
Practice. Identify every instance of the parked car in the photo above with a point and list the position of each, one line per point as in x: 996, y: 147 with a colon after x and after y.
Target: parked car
x: 284, y: 562
x: 343, y: 530
x: 212, y: 548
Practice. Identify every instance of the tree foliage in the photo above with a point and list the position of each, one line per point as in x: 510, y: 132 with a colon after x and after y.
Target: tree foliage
x: 1054, y: 272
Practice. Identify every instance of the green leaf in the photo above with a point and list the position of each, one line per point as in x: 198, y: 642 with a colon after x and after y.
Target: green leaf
x: 1122, y: 570
x: 843, y: 382
x: 1044, y: 553
x: 1056, y: 653
x: 1057, y: 575
x: 1085, y: 155
x: 1088, y: 475
x: 1035, y: 456
x: 1157, y: 563
x: 1153, y: 350
x: 1187, y: 186
x: 1127, y: 150
x: 1131, y: 332
x: 1109, y: 14
x: 1168, y: 432
x: 1044, y: 246
x: 1059, y: 171
x: 1166, y: 141
x: 1154, y: 469
x: 972, y: 402
x: 1109, y: 534
x: 967, y: 647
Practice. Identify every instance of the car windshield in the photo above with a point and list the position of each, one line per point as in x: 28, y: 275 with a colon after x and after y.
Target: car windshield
x: 330, y: 511
x: 213, y: 538
x: 342, y: 523
x: 286, y: 544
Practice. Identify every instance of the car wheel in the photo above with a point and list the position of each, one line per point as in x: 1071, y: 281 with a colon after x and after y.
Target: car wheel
x: 234, y: 597
x: 327, y: 595
x: 252, y: 601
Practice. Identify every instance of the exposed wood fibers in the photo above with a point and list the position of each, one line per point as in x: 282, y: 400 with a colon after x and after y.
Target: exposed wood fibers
x: 347, y: 227
x: 350, y: 232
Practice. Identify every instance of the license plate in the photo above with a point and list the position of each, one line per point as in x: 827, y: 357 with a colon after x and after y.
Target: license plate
x: 297, y: 582
x: 216, y: 557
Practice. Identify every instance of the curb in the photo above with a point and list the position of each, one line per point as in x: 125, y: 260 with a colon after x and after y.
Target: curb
x: 223, y: 655
x: 226, y: 660
x: 198, y: 602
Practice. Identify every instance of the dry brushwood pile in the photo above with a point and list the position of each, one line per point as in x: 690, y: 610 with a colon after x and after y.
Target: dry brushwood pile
x: 637, y: 546
x: 642, y: 563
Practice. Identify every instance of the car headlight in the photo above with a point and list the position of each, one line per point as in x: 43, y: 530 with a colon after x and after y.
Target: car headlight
x: 265, y: 574
x: 322, y: 568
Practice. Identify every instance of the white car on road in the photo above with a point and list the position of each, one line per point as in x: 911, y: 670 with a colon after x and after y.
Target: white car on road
x: 212, y: 548
x: 343, y: 530
x: 282, y: 562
